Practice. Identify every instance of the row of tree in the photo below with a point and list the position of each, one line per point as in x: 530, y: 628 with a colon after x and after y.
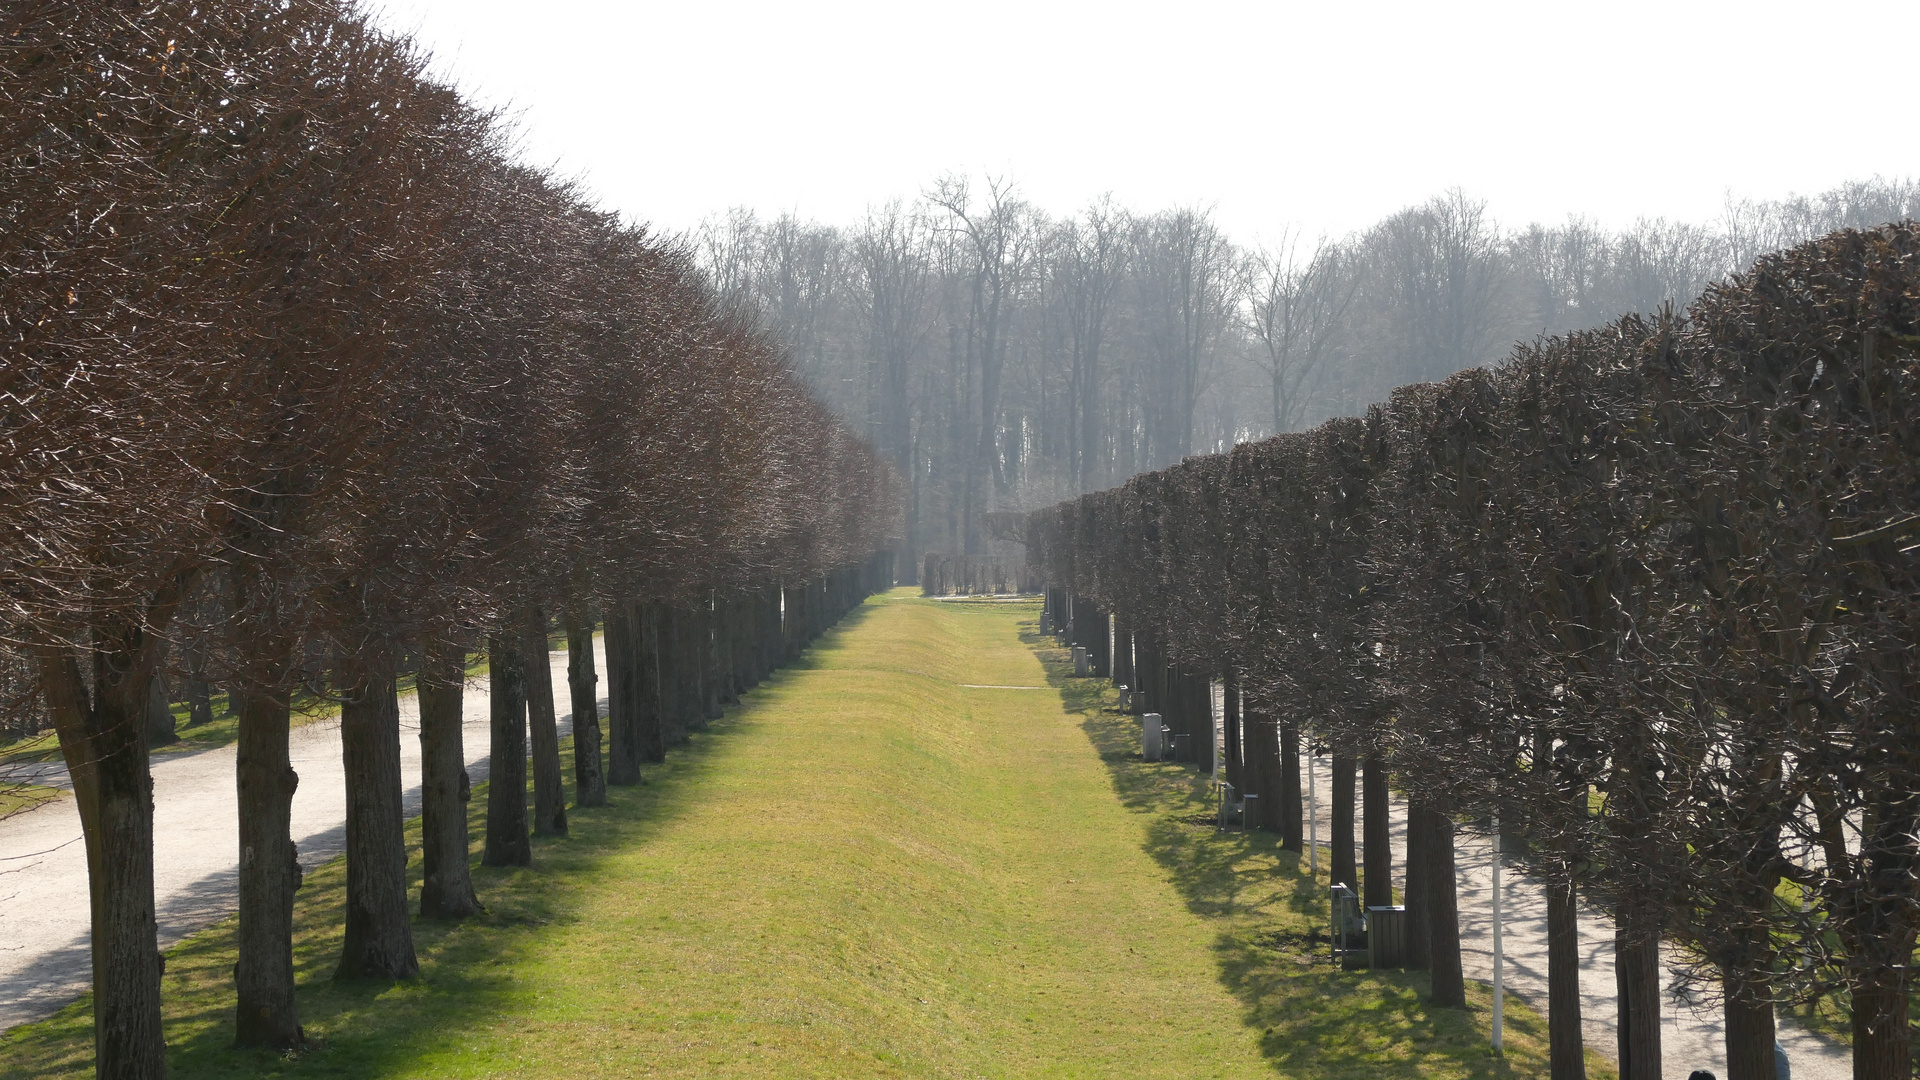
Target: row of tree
x: 1002, y: 359
x: 1650, y: 593
x: 306, y: 378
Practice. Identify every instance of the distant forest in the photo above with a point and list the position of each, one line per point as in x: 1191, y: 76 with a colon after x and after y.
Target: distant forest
x: 1003, y: 359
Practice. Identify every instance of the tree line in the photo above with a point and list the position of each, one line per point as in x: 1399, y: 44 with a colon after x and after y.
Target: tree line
x: 1646, y: 592
x: 308, y: 383
x: 1002, y: 358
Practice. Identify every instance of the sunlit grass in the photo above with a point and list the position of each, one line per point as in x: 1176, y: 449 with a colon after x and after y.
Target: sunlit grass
x: 866, y: 870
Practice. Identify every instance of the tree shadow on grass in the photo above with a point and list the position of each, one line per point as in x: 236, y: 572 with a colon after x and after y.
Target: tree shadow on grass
x: 371, y: 1028
x: 1271, y: 949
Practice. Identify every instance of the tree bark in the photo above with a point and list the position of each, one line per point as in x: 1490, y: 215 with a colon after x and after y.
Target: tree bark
x: 1376, y: 834
x: 1443, y: 913
x: 1750, y: 1029
x: 1293, y: 831
x: 379, y: 939
x: 1636, y: 970
x: 1344, y: 871
x: 1567, y: 1053
x: 1419, y: 903
x: 507, y: 841
x: 583, y: 690
x: 649, y: 689
x: 549, y: 787
x: 1230, y: 721
x: 446, y: 888
x: 266, y: 1012
x: 102, y: 739
x: 159, y: 714
x: 623, y: 758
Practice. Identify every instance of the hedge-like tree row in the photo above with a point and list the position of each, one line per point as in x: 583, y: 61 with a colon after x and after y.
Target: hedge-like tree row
x: 308, y: 383
x: 1650, y: 593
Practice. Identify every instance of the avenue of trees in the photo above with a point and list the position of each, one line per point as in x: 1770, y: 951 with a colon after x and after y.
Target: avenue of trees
x: 1648, y: 592
x: 308, y: 384
x: 1002, y: 358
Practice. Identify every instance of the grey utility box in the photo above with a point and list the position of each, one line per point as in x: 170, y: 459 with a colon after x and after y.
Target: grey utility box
x: 1152, y: 748
x: 1081, y: 665
x: 1387, y: 937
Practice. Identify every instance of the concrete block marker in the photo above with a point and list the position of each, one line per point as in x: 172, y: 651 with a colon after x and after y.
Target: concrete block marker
x: 1151, y: 747
x: 1082, y: 667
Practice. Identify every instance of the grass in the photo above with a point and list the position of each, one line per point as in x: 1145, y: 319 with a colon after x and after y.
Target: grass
x: 866, y: 870
x: 19, y: 798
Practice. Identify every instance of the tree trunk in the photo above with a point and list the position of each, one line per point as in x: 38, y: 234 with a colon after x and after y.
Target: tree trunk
x: 623, y: 757
x: 1443, y: 913
x: 1419, y: 903
x: 1750, y: 1030
x: 1293, y: 831
x: 1567, y: 1052
x: 1636, y: 970
x: 507, y: 841
x: 199, y: 703
x: 1263, y: 767
x: 583, y: 690
x: 1882, y: 1037
x: 446, y: 887
x: 1205, y: 738
x: 1376, y: 834
x: 159, y: 713
x: 1344, y: 872
x: 650, y: 737
x: 102, y: 740
x: 266, y: 1013
x: 549, y: 789
x: 1877, y: 926
x: 379, y: 939
x: 1122, y: 653
x: 1230, y: 722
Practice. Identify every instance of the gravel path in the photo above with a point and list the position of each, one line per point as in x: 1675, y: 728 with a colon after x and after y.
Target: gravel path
x: 44, y: 933
x: 1691, y: 1038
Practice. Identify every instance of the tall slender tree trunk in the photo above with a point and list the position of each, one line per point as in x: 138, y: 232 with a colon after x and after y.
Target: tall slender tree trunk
x: 446, y: 886
x: 1878, y: 928
x: 159, y: 714
x: 1376, y: 833
x: 1750, y: 1028
x: 379, y: 939
x: 266, y: 1012
x: 583, y: 694
x: 623, y: 647
x: 1293, y: 833
x: 1443, y: 913
x: 101, y: 738
x: 1419, y: 902
x: 1636, y: 971
x: 650, y: 737
x: 1566, y: 1045
x: 1341, y: 840
x: 507, y: 841
x: 1230, y: 721
x: 549, y: 788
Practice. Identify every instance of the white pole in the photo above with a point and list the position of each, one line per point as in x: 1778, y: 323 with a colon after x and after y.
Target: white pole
x: 1313, y: 817
x: 1499, y: 992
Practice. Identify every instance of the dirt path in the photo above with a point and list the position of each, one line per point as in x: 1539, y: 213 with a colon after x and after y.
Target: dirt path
x: 44, y: 933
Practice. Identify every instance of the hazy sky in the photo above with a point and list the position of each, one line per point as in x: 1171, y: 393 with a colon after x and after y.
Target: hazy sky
x: 1323, y: 117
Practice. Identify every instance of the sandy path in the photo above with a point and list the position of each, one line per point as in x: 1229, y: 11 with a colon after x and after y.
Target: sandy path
x: 44, y: 932
x: 1691, y: 1038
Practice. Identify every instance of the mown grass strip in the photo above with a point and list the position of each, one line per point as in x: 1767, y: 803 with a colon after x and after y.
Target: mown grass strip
x: 868, y: 869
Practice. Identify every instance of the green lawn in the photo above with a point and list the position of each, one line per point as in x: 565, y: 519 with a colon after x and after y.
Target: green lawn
x: 866, y: 870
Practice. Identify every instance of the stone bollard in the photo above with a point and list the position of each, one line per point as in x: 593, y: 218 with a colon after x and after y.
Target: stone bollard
x: 1082, y: 667
x: 1151, y: 747
x: 1126, y: 700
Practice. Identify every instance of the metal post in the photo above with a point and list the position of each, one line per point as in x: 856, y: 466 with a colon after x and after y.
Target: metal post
x: 1313, y: 816
x: 1499, y: 992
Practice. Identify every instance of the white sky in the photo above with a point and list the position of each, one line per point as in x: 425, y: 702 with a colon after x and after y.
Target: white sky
x: 1323, y: 117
